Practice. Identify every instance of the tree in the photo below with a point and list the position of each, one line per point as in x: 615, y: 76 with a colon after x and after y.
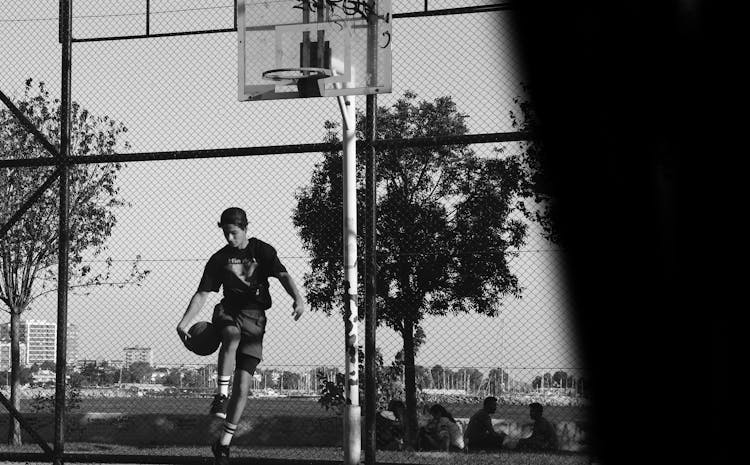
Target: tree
x: 547, y: 381
x: 388, y: 380
x: 110, y: 375
x: 173, y: 378
x: 423, y: 377
x: 76, y: 380
x: 470, y: 379
x: 48, y: 365
x: 561, y: 379
x: 28, y: 251
x: 192, y: 379
x: 140, y: 372
x: 497, y: 381
x: 539, y: 183
x: 542, y: 382
x: 437, y: 374
x: 290, y: 380
x: 91, y: 373
x: 447, y: 225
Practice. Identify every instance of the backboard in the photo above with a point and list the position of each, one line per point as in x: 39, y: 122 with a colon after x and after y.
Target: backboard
x: 313, y: 48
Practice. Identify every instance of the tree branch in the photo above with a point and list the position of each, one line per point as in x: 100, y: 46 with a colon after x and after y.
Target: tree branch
x: 120, y: 285
x: 419, y: 179
x: 437, y: 183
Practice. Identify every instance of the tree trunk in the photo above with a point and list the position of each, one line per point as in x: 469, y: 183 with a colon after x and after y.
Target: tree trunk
x: 14, y: 429
x: 410, y: 388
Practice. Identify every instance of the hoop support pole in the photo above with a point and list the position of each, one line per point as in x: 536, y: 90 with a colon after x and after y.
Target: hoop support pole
x: 352, y: 416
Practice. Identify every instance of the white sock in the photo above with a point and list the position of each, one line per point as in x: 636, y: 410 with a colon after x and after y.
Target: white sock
x: 224, y: 385
x: 227, y: 433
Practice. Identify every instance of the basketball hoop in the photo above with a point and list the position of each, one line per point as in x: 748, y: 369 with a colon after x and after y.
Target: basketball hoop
x: 295, y: 74
x: 305, y: 78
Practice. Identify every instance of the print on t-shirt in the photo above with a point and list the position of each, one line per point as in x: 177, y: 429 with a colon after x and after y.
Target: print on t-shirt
x: 244, y: 275
x: 241, y: 278
x: 244, y: 269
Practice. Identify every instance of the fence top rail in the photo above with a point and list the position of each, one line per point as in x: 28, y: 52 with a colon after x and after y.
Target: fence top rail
x: 484, y: 8
x: 268, y: 150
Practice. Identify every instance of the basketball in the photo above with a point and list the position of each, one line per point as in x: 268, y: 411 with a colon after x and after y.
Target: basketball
x: 204, y: 340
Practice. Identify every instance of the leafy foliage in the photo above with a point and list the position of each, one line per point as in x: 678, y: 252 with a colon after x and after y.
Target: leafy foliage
x: 28, y: 252
x: 332, y: 392
x: 539, y: 183
x: 449, y: 220
x: 388, y: 382
x: 140, y: 372
x: 42, y: 403
x: 445, y: 220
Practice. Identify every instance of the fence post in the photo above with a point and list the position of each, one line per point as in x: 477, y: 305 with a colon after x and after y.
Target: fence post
x: 64, y: 232
x: 371, y: 268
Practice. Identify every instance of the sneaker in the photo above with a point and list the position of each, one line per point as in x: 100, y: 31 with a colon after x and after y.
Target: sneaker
x: 219, y: 406
x: 221, y: 453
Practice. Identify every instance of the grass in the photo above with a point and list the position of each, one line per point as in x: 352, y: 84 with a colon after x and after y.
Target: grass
x: 308, y: 454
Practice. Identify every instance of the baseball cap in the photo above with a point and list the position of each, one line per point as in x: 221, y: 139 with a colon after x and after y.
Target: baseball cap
x: 235, y: 216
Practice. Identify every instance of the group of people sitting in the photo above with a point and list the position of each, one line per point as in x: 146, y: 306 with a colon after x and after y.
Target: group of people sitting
x: 442, y: 432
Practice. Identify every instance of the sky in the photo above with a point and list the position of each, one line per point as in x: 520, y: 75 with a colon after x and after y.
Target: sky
x: 180, y: 94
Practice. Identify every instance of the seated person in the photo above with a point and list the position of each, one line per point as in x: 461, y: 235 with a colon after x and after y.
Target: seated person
x: 543, y: 436
x: 389, y: 428
x: 442, y: 432
x: 480, y: 434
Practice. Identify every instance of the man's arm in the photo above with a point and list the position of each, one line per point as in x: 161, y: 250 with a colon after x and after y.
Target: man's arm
x: 489, y: 427
x: 291, y: 288
x: 195, y: 305
x: 544, y: 434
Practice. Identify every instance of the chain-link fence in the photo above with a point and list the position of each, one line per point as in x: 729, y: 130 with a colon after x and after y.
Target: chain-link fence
x: 470, y: 289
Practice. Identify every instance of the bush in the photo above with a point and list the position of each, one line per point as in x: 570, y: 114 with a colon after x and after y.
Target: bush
x: 388, y: 382
x: 42, y: 403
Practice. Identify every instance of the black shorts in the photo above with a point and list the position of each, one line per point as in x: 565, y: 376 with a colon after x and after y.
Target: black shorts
x: 252, y: 326
x: 246, y: 363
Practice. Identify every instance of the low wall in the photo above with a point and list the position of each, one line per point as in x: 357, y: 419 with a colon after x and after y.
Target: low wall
x: 279, y: 430
x: 182, y: 429
x: 571, y: 435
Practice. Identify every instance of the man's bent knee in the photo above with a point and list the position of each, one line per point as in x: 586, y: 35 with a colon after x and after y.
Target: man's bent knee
x: 230, y: 335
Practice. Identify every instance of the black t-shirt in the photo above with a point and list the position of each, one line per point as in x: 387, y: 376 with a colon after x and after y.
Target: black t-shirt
x: 244, y: 275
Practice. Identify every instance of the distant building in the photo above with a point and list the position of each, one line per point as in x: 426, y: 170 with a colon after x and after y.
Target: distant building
x: 138, y: 354
x: 40, y: 340
x: 115, y: 363
x: 84, y: 362
x: 71, y: 349
x: 5, y: 355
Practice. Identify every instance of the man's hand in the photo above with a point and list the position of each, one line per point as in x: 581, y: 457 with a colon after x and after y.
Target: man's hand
x: 299, y: 308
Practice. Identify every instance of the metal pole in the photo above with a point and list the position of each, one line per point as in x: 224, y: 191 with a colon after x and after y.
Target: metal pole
x: 352, y: 413
x: 16, y: 415
x: 371, y: 315
x: 64, y: 233
x: 28, y: 203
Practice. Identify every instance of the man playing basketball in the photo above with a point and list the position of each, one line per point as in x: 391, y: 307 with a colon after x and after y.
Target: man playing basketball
x: 242, y: 267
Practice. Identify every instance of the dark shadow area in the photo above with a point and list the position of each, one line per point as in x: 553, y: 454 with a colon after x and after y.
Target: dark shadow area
x: 626, y: 95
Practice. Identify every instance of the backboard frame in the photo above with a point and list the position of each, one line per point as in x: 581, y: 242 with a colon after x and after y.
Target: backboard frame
x: 344, y: 79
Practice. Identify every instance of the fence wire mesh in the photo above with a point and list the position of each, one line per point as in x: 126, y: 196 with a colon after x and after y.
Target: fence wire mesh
x: 130, y: 378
